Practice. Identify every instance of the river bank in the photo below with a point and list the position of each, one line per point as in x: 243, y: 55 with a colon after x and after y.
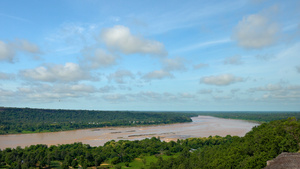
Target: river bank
x: 201, y: 126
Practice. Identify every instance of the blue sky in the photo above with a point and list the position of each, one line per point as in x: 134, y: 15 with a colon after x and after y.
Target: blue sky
x: 150, y: 55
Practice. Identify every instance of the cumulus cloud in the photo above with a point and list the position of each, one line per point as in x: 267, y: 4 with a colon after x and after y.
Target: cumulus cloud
x: 279, y: 92
x: 221, y: 80
x: 149, y: 95
x: 56, y: 73
x: 200, y: 66
x: 185, y: 95
x: 27, y: 46
x: 172, y: 64
x: 6, y: 76
x: 269, y: 87
x: 157, y: 74
x: 7, y: 52
x: 234, y: 60
x: 256, y: 31
x: 47, y: 92
x: 97, y: 58
x: 120, y: 38
x: 120, y: 76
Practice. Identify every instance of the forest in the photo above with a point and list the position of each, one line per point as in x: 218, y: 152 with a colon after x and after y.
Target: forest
x: 262, y: 143
x: 258, y: 116
x: 27, y: 120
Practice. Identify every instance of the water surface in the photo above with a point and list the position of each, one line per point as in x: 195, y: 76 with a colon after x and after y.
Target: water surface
x: 202, y: 126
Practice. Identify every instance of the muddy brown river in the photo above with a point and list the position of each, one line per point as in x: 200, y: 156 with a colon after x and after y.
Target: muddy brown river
x: 202, y: 126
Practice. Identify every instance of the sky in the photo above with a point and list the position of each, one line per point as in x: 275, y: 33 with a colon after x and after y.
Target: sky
x: 151, y: 55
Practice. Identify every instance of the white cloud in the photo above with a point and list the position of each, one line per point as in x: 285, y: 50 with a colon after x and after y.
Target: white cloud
x: 269, y: 87
x: 56, y: 73
x: 171, y: 64
x: 221, y: 80
x: 46, y: 92
x: 284, y: 93
x: 120, y: 76
x: 27, y: 46
x: 256, y: 31
x: 234, y: 60
x: 120, y: 38
x: 279, y: 92
x: 149, y: 95
x: 200, y: 66
x: 97, y: 58
x: 115, y: 98
x: 6, y: 76
x: 157, y: 74
x: 185, y: 95
x: 7, y: 52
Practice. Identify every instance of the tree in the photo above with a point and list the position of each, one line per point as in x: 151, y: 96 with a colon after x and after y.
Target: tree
x: 74, y: 163
x: 115, y: 160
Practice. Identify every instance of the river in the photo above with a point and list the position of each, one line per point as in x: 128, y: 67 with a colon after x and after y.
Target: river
x: 202, y: 126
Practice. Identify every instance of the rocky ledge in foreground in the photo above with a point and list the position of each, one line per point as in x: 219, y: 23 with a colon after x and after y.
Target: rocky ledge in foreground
x: 284, y: 161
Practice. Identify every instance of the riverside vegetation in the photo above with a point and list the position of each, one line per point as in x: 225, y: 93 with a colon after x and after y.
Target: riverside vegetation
x: 253, y: 116
x: 262, y: 143
x: 26, y: 120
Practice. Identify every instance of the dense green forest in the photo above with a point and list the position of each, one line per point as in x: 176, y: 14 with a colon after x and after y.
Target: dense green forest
x: 262, y: 143
x: 253, y: 116
x: 26, y: 120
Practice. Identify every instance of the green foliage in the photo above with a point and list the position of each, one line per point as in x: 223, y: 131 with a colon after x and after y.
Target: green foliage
x: 26, y: 120
x: 254, y: 116
x: 261, y: 144
x: 123, y: 151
